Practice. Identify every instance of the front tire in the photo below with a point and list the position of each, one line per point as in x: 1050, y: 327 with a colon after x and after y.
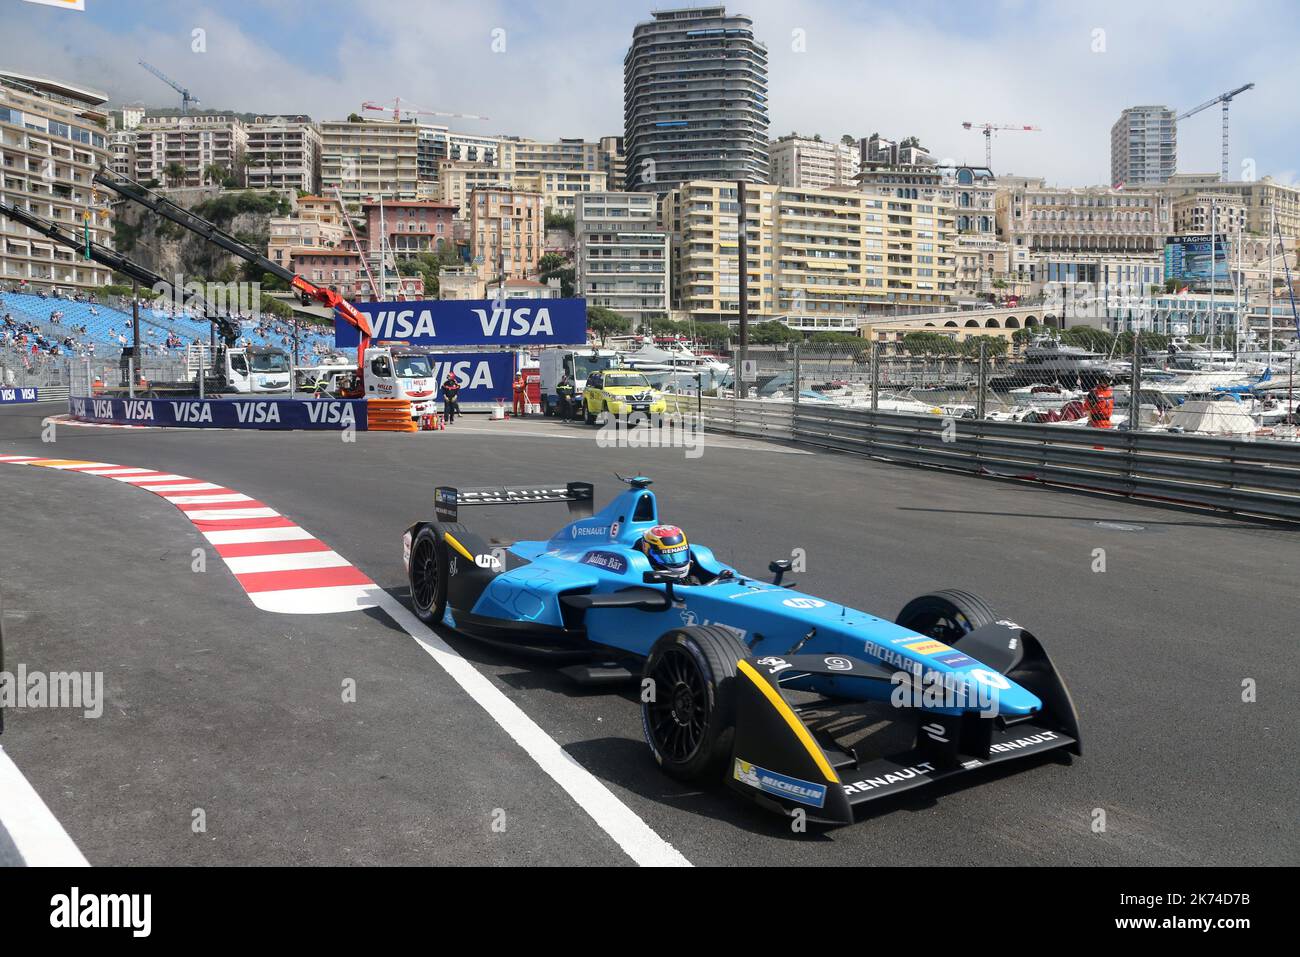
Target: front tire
x: 427, y: 575
x: 947, y: 615
x: 587, y: 415
x: 690, y: 724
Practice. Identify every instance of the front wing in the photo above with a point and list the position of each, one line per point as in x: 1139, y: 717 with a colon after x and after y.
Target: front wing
x: 781, y: 763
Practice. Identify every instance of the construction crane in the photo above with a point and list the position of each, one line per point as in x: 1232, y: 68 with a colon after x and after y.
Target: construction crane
x: 225, y: 324
x: 398, y: 110
x: 1225, y: 99
x: 187, y: 99
x: 988, y: 129
x: 307, y: 291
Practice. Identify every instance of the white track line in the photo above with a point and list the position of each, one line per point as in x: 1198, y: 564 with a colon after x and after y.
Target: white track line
x: 637, y: 839
x: 31, y: 825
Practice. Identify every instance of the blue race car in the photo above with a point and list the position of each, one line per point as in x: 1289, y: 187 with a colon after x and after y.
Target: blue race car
x: 740, y: 678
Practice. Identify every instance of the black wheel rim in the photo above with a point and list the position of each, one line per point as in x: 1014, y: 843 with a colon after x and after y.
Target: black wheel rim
x: 424, y: 574
x: 947, y: 626
x: 679, y: 714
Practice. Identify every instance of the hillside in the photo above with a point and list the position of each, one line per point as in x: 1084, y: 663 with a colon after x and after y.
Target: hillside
x: 169, y: 249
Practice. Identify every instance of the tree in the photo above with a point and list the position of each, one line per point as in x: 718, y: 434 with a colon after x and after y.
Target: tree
x: 993, y: 346
x: 551, y: 262
x: 771, y: 333
x: 847, y: 139
x: 929, y: 344
x: 836, y: 338
x: 1024, y: 336
x: 714, y: 333
x: 216, y: 174
x: 556, y: 220
x: 567, y: 277
x: 173, y: 172
x: 1096, y: 340
x: 606, y: 322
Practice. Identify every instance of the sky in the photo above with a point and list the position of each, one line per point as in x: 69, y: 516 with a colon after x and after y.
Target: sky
x: 551, y: 69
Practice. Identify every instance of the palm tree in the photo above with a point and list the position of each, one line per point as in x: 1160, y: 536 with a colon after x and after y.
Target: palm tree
x: 173, y: 172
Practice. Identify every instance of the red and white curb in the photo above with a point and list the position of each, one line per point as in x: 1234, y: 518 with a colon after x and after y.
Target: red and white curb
x: 281, y: 566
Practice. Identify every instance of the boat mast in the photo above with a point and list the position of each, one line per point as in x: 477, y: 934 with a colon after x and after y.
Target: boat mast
x: 1214, y: 254
x: 1272, y: 220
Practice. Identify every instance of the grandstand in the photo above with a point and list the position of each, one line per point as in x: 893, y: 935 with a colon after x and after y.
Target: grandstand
x: 98, y: 329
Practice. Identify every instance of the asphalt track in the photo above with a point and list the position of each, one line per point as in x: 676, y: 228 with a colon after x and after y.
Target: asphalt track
x: 215, y: 705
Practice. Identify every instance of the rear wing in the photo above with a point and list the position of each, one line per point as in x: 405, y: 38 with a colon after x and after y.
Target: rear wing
x: 447, y: 501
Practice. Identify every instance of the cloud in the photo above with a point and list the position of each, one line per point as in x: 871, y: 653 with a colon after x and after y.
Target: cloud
x: 918, y: 67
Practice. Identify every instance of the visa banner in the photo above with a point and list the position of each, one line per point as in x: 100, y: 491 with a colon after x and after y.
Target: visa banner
x: 319, y: 414
x: 483, y: 376
x: 471, y: 322
x: 8, y: 395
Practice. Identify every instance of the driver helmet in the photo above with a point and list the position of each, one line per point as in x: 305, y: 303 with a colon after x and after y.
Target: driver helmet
x: 666, y: 547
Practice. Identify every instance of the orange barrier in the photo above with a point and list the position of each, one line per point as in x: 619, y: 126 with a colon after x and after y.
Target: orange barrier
x: 389, y: 415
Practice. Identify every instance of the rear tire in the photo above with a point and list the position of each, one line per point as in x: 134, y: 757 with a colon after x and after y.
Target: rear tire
x: 428, y: 574
x: 947, y: 615
x: 690, y: 724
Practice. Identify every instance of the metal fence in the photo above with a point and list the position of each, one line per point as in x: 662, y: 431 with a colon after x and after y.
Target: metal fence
x: 1000, y: 383
x: 1244, y: 476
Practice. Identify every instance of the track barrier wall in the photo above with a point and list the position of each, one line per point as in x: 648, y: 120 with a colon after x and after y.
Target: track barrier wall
x: 250, y: 413
x: 13, y: 396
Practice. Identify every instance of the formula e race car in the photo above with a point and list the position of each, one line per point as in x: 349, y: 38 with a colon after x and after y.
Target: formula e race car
x: 740, y: 678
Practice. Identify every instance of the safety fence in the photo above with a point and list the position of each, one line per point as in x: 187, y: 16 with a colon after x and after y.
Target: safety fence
x: 1235, y: 475
x: 1145, y: 386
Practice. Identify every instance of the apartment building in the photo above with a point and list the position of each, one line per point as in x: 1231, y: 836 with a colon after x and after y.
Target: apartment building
x: 438, y: 144
x: 905, y: 152
x: 970, y: 190
x: 53, y: 138
x: 121, y: 153
x: 1092, y: 219
x: 1143, y: 146
x: 613, y: 162
x: 284, y: 152
x: 457, y: 179
x: 189, y: 150
x: 369, y: 159
x: 1199, y: 212
x: 622, y: 256
x: 507, y: 230
x: 1259, y: 198
x: 409, y: 228
x: 694, y: 100
x: 316, y: 223
x: 560, y: 189
x: 812, y: 163
x: 811, y: 253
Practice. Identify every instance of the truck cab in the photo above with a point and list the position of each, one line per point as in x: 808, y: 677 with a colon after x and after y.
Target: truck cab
x: 257, y: 370
x: 578, y: 363
x: 400, y: 373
